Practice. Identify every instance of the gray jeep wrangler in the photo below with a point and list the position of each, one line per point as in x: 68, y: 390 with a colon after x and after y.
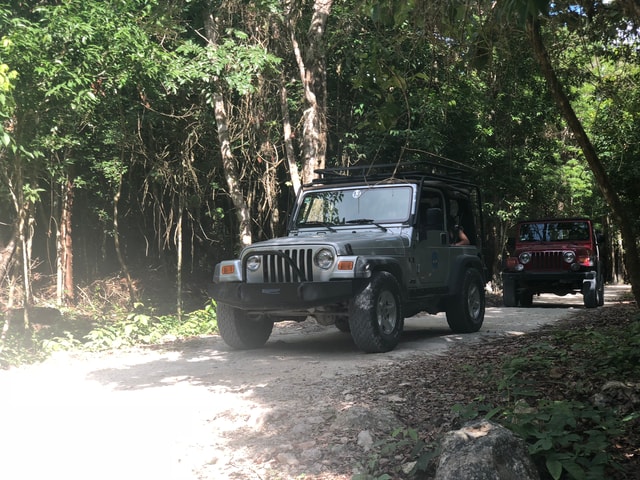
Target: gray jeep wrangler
x: 366, y: 247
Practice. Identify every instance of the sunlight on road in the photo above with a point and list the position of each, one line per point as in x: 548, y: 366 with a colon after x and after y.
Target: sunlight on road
x: 59, y: 424
x: 82, y: 442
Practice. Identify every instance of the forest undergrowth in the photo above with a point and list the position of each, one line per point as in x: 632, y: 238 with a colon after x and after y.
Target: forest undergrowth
x: 104, y: 318
x: 571, y: 390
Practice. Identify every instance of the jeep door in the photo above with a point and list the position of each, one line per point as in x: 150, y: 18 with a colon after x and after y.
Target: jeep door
x: 432, y: 246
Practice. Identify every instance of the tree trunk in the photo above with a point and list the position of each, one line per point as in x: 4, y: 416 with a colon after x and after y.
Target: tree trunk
x: 231, y: 172
x: 116, y: 243
x: 69, y: 284
x: 65, y: 285
x: 26, y: 238
x: 229, y: 162
x: 272, y: 191
x: 179, y: 246
x: 7, y: 252
x: 23, y: 230
x: 288, y: 139
x: 631, y: 254
x: 312, y: 70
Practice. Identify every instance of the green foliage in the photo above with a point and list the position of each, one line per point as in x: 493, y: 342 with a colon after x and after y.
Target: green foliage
x: 7, y: 78
x: 144, y: 329
x: 198, y: 322
x: 16, y: 350
x: 235, y: 62
x: 117, y: 95
x: 137, y: 328
x: 64, y: 341
x: 480, y: 407
x: 570, y: 436
x: 403, y: 443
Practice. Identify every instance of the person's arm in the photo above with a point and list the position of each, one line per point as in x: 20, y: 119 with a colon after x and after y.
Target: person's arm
x: 462, y: 238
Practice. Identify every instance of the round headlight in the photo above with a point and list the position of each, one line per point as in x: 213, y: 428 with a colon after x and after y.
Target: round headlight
x: 569, y: 257
x: 253, y: 263
x: 525, y: 257
x: 324, y: 258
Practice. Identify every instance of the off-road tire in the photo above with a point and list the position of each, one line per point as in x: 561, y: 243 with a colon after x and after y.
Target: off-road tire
x: 590, y: 295
x: 526, y: 299
x: 375, y: 315
x: 465, y: 311
x: 342, y: 324
x: 241, y: 332
x: 509, y: 297
x: 600, y: 289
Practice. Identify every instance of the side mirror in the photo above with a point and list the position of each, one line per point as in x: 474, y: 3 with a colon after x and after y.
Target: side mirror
x: 511, y: 244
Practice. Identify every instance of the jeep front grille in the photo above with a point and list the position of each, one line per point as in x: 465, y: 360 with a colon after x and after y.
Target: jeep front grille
x: 276, y: 269
x: 546, y: 261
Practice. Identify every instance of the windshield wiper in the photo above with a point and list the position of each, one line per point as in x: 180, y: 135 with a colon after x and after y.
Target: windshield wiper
x: 366, y: 221
x: 317, y: 224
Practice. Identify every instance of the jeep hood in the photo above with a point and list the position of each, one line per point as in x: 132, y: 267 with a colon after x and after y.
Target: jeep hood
x: 544, y: 246
x: 351, y: 242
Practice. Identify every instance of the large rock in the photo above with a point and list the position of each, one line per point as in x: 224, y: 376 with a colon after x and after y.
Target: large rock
x: 483, y: 450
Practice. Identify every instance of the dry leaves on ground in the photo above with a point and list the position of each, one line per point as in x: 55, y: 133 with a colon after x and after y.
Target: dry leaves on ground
x: 422, y: 392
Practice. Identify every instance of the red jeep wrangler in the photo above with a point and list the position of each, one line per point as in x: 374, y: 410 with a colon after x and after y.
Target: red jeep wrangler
x: 557, y: 256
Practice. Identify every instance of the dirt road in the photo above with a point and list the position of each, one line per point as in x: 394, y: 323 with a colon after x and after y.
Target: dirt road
x: 197, y: 410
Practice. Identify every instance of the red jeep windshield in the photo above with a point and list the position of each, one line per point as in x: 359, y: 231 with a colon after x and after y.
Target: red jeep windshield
x: 554, y: 232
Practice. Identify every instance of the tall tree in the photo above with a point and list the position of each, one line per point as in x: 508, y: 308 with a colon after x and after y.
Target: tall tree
x: 620, y: 213
x: 7, y: 143
x: 75, y: 61
x: 229, y: 162
x: 311, y: 61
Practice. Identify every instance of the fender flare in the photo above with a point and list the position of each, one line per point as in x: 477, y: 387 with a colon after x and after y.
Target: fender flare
x: 387, y: 264
x: 461, y: 265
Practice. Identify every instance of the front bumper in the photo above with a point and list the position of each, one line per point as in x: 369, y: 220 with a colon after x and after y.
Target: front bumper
x: 265, y: 297
x: 548, y: 281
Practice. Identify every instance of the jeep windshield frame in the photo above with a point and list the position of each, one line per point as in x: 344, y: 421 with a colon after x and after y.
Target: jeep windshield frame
x: 349, y: 206
x: 554, y: 231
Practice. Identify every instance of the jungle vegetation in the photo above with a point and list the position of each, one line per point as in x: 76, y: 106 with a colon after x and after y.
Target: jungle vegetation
x: 149, y: 139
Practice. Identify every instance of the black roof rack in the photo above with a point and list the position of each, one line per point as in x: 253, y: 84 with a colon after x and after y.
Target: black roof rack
x: 420, y: 170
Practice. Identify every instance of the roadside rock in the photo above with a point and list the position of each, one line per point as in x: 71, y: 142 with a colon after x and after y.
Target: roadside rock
x: 484, y: 450
x: 365, y: 440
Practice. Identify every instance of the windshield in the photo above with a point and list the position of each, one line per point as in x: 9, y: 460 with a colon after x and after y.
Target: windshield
x: 554, y: 231
x: 381, y: 204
